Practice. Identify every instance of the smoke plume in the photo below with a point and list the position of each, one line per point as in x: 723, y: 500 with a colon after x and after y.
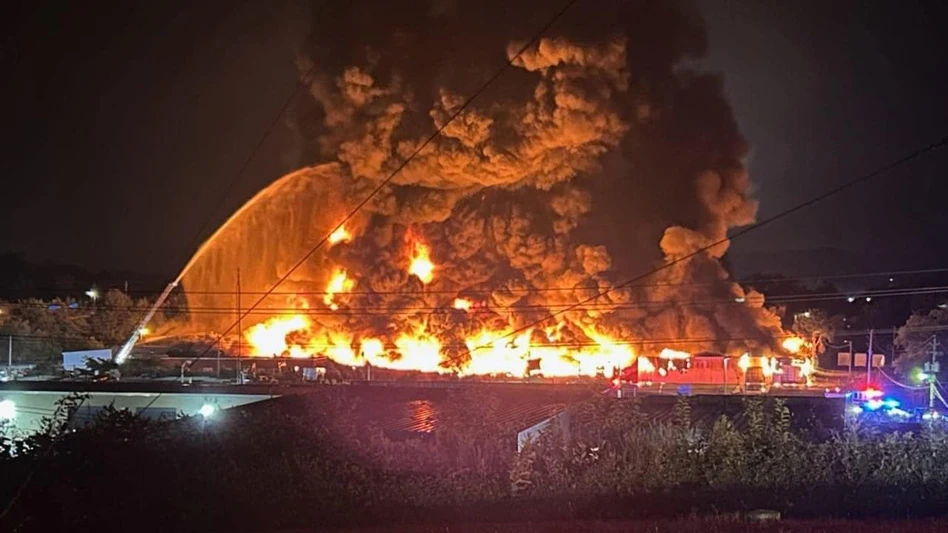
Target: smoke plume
x: 600, y: 153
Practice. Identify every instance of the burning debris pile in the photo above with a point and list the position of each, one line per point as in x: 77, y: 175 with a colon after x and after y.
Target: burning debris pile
x: 494, y: 227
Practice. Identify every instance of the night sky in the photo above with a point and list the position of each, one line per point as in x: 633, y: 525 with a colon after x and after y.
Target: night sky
x: 125, y: 123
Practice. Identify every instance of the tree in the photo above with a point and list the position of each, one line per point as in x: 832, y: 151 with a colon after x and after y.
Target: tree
x: 42, y: 330
x: 817, y: 327
x: 914, y: 338
x: 114, y: 318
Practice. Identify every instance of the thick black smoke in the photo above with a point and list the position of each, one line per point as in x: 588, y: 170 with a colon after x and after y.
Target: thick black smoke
x: 601, y: 153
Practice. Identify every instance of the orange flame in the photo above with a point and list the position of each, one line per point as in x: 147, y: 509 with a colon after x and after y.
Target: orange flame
x: 372, y: 350
x: 668, y: 353
x: 493, y: 352
x: 793, y: 344
x: 421, y: 265
x: 418, y: 352
x: 560, y: 349
x: 269, y: 338
x: 340, y: 235
x: 645, y: 365
x: 338, y: 283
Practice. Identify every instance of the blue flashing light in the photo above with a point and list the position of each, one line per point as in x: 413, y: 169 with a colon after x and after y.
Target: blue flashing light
x: 891, y: 403
x: 895, y: 411
x: 872, y: 405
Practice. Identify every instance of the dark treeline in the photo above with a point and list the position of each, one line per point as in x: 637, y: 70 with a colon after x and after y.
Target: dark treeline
x: 271, y: 467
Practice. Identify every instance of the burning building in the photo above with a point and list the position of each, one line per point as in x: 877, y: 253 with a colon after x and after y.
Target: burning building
x: 602, y: 152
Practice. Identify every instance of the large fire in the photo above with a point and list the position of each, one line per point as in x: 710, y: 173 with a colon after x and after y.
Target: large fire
x: 498, y: 348
x: 471, y: 257
x: 488, y: 352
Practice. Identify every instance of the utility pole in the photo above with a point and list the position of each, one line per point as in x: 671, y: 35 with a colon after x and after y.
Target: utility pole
x: 240, y: 331
x: 10, y: 357
x: 931, y: 369
x: 851, y: 357
x: 869, y: 360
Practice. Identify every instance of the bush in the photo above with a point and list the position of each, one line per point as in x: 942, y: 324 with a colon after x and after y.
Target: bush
x: 270, y: 469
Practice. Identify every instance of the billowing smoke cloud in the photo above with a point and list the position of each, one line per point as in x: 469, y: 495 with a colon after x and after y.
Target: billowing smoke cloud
x: 598, y: 155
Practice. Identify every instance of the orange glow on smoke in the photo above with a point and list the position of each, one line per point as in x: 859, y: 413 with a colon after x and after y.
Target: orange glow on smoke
x: 421, y: 265
x: 337, y: 284
x: 340, y: 235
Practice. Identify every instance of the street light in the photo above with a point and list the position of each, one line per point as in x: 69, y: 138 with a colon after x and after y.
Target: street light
x: 93, y: 293
x: 7, y: 410
x: 207, y: 410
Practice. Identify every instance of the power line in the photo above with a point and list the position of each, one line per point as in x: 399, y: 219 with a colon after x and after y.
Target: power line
x: 509, y: 63
x: 516, y: 307
x: 894, y: 381
x: 753, y: 282
x: 783, y: 214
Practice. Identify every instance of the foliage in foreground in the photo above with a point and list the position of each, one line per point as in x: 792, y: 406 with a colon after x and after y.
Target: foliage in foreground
x: 266, y: 469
